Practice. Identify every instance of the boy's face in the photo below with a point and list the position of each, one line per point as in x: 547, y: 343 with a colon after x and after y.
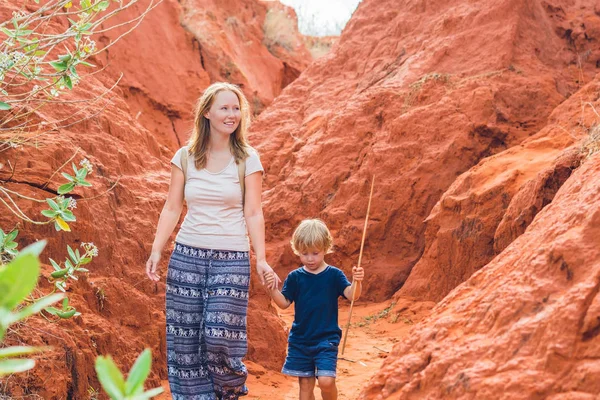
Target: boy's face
x: 312, y: 259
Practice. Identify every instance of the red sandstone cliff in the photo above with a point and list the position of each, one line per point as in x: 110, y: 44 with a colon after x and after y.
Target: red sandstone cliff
x: 415, y: 93
x: 527, y: 324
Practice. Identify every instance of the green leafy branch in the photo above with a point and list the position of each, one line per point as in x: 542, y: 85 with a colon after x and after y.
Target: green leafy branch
x: 72, y: 265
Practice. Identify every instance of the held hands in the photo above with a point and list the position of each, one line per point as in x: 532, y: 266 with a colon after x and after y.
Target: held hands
x: 267, y: 275
x: 270, y: 280
x: 151, y: 266
x: 358, y: 273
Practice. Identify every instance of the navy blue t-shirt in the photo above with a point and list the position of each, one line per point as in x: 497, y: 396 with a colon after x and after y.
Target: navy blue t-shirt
x: 315, y: 298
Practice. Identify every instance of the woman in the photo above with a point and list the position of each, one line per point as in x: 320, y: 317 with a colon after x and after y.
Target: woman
x: 209, y: 271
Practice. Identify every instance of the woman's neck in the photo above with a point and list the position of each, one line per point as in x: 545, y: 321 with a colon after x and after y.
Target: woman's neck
x: 218, y: 143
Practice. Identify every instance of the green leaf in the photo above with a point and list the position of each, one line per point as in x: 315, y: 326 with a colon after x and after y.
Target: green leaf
x: 68, y: 216
x: 110, y: 377
x: 4, y: 106
x: 14, y: 366
x: 84, y: 183
x: 13, y: 235
x: 53, y: 204
x: 85, y: 260
x: 35, y: 248
x: 68, y: 264
x: 82, y: 173
x: 52, y: 310
x: 87, y: 64
x: 17, y: 351
x: 7, y: 32
x: 147, y: 395
x: 10, y: 245
x: 59, y: 66
x: 68, y: 82
x: 138, y: 374
x: 49, y: 213
x: 69, y: 177
x: 60, y: 285
x: 18, y: 279
x: 60, y: 273
x: 38, y: 306
x: 55, y: 265
x: 66, y: 188
x: 103, y: 5
x: 72, y: 255
x: 67, y: 314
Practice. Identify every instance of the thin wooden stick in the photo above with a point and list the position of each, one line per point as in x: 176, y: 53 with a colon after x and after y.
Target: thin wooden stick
x: 362, y: 245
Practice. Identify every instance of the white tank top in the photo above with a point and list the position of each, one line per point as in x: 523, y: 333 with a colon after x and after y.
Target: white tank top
x: 215, y: 215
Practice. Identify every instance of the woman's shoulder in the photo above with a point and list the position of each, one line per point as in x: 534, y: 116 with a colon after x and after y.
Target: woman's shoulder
x: 252, y: 152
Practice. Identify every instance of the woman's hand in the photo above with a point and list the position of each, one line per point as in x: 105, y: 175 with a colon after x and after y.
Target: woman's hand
x: 264, y: 270
x: 151, y: 266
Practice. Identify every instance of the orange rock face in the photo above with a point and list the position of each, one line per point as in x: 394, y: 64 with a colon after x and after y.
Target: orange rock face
x: 414, y: 94
x: 526, y: 325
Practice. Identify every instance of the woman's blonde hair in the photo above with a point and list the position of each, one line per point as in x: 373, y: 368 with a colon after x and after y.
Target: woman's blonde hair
x: 198, y: 143
x: 311, y: 234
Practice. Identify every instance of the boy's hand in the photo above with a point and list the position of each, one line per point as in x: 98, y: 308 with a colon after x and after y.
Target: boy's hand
x: 358, y: 273
x: 270, y: 280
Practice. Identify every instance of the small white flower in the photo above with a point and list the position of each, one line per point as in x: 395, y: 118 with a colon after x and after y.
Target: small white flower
x: 18, y: 15
x: 85, y: 163
x: 72, y: 203
x: 91, y: 249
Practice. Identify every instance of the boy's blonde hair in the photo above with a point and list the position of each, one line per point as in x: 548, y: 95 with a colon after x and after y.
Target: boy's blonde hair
x: 311, y: 234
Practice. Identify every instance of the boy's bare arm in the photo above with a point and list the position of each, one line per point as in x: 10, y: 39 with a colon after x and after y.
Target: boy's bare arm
x: 280, y: 299
x: 358, y: 274
x: 276, y: 295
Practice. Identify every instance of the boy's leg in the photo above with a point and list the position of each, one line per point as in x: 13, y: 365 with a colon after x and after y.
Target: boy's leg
x: 326, y: 363
x: 307, y: 388
x: 300, y: 363
x: 328, y: 387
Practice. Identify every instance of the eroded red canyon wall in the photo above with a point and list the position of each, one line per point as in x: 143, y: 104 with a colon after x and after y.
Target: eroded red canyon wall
x: 415, y: 93
x: 527, y: 325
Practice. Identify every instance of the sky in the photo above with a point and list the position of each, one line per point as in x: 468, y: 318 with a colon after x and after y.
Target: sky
x: 322, y: 17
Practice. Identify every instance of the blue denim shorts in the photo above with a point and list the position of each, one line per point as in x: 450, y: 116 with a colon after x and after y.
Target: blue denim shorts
x: 307, y: 361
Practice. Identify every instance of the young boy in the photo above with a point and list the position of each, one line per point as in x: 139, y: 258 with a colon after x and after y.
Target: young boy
x: 314, y: 288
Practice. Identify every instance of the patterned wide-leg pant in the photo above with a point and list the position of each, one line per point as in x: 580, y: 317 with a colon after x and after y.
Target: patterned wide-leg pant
x: 207, y: 302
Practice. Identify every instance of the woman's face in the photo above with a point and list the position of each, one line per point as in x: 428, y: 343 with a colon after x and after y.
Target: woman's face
x: 224, y: 114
